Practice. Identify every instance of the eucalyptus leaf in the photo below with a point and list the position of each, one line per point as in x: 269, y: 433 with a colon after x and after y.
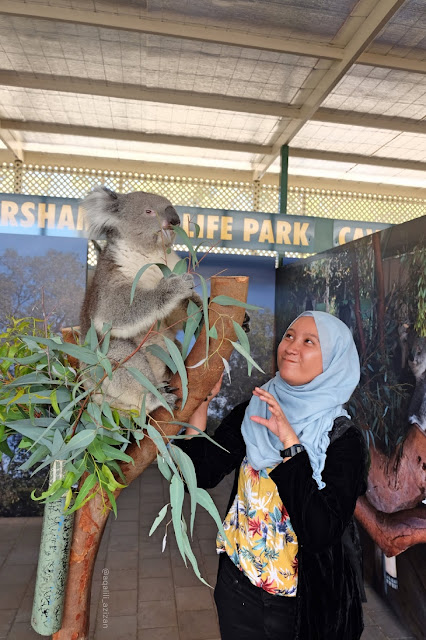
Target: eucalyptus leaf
x: 158, y: 519
x: 180, y: 365
x: 244, y: 342
x: 183, y: 236
x: 147, y: 384
x: 226, y: 301
x: 176, y: 500
x: 137, y: 278
x: 162, y: 355
x: 181, y: 267
x: 205, y: 500
x: 194, y: 317
x: 246, y: 355
x: 187, y: 469
x: 164, y: 468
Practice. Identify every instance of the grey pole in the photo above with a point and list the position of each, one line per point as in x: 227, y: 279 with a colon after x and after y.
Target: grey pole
x: 53, y: 560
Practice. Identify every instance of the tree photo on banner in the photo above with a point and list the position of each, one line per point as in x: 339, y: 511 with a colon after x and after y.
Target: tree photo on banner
x: 38, y: 274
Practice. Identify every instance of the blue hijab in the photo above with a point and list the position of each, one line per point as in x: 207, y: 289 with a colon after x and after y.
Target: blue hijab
x: 310, y: 408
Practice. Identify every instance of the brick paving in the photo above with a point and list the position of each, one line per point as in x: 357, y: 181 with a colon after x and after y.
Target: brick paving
x: 152, y: 596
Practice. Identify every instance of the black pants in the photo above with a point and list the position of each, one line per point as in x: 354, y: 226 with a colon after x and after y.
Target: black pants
x: 247, y: 612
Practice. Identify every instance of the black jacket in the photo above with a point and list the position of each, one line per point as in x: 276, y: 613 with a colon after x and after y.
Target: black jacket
x: 329, y: 590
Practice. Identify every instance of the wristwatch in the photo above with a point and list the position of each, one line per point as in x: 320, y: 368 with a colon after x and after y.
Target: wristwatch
x: 291, y: 451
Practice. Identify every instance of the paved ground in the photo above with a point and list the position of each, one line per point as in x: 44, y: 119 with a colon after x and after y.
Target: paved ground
x: 151, y: 594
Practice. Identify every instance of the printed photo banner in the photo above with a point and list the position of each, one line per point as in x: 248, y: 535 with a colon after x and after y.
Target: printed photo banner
x: 50, y: 216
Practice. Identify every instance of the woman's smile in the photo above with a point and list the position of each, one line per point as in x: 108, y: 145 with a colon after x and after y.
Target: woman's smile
x: 299, y: 352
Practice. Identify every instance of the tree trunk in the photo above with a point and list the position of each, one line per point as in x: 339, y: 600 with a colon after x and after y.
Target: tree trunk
x: 89, y: 520
x: 398, y: 483
x: 357, y: 297
x: 380, y: 287
x: 393, y: 532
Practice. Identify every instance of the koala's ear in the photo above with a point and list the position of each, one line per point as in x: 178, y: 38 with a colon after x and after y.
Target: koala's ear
x: 101, y: 206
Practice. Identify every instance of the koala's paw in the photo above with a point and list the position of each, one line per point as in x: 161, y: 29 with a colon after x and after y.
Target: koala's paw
x: 182, y: 285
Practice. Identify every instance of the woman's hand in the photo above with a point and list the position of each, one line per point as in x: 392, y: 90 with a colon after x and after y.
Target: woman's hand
x: 199, y: 417
x: 277, y: 423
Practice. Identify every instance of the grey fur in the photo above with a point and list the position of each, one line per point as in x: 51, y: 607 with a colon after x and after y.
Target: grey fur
x: 417, y: 364
x: 137, y: 227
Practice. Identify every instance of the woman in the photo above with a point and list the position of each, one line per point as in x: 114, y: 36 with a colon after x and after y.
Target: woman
x: 288, y: 567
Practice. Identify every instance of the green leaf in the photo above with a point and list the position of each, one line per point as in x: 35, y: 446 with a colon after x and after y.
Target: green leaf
x: 187, y: 469
x: 106, y: 334
x: 205, y: 500
x: 137, y: 278
x: 158, y: 519
x: 95, y: 449
x: 181, y: 267
x: 112, y: 453
x: 162, y: 355
x: 213, y: 333
x: 87, y: 486
x: 76, y: 351
x: 246, y: 355
x: 53, y: 487
x: 112, y: 500
x: 164, y: 468
x: 183, y: 237
x: 201, y: 433
x: 80, y: 440
x: 116, y: 467
x: 226, y: 301
x: 176, y: 501
x: 35, y: 357
x: 180, y: 365
x: 192, y: 559
x: 104, y: 363
x: 91, y: 338
x: 159, y: 443
x: 41, y: 452
x: 193, y: 320
x: 165, y: 270
x: 94, y: 411
x: 147, y: 384
x: 244, y: 342
x: 54, y: 401
x: 205, y: 310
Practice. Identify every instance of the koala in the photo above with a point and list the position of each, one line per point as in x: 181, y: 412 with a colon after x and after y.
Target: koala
x: 138, y: 232
x: 417, y: 364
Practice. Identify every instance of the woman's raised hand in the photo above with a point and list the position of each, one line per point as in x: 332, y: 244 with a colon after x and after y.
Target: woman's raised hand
x: 277, y: 423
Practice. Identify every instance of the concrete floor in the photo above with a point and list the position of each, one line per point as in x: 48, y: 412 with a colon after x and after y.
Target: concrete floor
x: 151, y: 594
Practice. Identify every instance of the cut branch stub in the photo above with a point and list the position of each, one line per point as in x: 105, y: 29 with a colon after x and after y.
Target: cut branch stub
x: 90, y: 520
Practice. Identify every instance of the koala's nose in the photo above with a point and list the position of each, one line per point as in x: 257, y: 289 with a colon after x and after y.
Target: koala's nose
x: 172, y: 215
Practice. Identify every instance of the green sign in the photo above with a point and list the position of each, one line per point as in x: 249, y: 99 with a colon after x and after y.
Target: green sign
x: 44, y: 215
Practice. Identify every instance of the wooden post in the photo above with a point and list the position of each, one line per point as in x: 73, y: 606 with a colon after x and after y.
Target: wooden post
x: 90, y: 520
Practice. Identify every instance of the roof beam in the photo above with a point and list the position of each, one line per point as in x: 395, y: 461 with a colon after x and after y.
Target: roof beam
x: 120, y: 134
x: 171, y: 29
x: 133, y: 136
x: 370, y: 121
x: 356, y: 158
x: 13, y: 144
x: 47, y: 82
x: 370, y: 16
x: 217, y: 35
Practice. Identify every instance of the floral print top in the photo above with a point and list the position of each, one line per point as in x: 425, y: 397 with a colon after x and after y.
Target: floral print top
x: 261, y: 541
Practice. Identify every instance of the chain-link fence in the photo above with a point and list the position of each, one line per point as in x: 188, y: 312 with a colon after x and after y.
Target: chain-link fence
x: 73, y: 182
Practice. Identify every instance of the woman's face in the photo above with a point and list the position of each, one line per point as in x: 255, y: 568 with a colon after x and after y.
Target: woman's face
x: 299, y: 353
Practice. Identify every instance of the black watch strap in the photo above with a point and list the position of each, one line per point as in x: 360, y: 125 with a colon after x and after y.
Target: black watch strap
x: 292, y: 451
